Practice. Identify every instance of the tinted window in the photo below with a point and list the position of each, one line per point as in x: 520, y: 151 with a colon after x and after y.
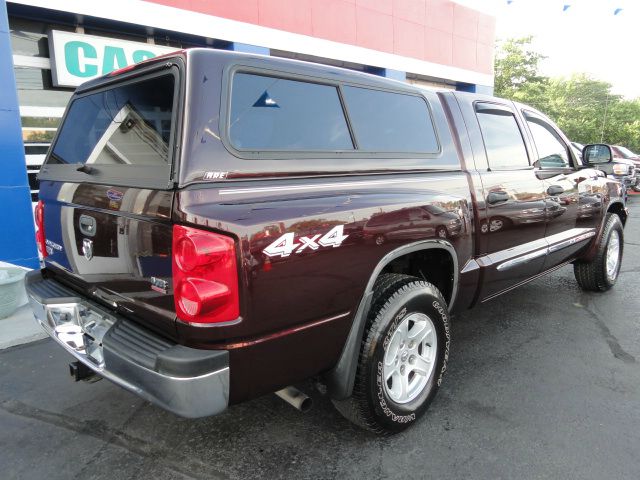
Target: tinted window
x: 126, y: 125
x: 269, y: 113
x: 390, y: 122
x: 552, y: 151
x: 502, y: 138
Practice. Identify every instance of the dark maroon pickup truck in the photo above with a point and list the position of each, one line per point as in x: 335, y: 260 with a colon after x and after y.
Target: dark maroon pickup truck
x: 217, y: 226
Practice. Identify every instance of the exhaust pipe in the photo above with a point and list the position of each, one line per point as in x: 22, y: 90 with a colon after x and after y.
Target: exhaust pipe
x: 295, y: 398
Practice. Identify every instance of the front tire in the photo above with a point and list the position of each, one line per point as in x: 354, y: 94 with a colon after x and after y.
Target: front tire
x: 403, y: 355
x: 602, y: 272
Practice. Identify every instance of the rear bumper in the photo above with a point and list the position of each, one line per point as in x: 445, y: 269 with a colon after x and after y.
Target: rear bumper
x: 188, y: 382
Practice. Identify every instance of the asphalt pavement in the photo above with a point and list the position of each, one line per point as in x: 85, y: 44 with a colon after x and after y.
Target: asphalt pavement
x: 543, y: 382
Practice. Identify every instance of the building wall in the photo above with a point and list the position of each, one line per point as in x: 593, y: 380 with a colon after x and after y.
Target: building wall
x: 439, y: 31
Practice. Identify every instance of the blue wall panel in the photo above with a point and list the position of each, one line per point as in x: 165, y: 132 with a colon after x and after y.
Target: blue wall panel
x: 246, y: 48
x: 17, y: 235
x: 473, y: 88
x: 388, y: 73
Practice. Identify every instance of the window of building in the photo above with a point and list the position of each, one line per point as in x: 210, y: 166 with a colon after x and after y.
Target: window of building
x: 552, y: 151
x: 29, y: 37
x: 503, y: 140
x: 41, y: 104
x: 390, y: 122
x: 270, y: 113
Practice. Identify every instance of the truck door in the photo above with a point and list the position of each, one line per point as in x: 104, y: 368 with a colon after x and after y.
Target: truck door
x: 572, y: 207
x: 513, y: 200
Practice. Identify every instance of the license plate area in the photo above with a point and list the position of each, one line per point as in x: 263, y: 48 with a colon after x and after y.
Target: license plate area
x: 80, y: 328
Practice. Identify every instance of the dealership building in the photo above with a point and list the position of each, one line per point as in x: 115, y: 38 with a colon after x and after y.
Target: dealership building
x: 49, y: 47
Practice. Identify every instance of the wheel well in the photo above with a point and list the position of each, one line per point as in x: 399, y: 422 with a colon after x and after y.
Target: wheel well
x: 619, y: 210
x: 434, y: 265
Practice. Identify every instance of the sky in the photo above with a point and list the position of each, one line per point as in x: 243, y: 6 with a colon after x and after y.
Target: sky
x: 579, y: 36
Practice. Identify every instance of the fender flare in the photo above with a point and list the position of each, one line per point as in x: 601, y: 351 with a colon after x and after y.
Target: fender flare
x: 341, y: 378
x: 593, y: 248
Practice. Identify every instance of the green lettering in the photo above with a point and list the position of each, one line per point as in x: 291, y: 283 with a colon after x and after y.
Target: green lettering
x: 113, y: 55
x: 72, y: 59
x: 140, y: 55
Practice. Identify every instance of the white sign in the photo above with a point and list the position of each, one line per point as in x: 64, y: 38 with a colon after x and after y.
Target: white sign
x: 76, y: 58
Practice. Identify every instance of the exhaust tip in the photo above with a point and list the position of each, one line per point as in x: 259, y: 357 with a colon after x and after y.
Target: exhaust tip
x: 295, y: 398
x: 306, y: 404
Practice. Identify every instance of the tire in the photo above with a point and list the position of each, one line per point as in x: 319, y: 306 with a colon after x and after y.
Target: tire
x: 597, y: 275
x: 636, y: 188
x: 398, y: 301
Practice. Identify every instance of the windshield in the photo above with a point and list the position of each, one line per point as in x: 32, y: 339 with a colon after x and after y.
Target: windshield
x: 626, y: 153
x: 125, y: 125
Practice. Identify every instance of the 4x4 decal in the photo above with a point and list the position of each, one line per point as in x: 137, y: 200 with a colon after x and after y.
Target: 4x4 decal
x: 286, y: 244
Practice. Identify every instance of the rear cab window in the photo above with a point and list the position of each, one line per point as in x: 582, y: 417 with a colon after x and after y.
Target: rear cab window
x: 119, y: 134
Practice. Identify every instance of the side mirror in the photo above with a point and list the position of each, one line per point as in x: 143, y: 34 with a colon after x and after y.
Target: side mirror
x: 597, y: 153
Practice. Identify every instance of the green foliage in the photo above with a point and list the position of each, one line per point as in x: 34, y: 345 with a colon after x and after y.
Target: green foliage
x: 516, y: 67
x: 584, y: 108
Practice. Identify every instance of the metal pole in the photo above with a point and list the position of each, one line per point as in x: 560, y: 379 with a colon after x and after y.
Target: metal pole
x: 604, y: 120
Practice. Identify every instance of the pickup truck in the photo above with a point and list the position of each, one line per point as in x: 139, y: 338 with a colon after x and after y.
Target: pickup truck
x: 217, y: 226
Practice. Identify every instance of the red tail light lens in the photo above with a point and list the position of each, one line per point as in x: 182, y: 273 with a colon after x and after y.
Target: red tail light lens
x: 199, y: 249
x: 202, y: 296
x: 205, y: 276
x: 40, y: 238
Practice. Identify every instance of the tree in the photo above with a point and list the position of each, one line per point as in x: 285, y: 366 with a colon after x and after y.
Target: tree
x: 584, y: 108
x: 623, y: 124
x: 516, y: 67
x: 579, y: 105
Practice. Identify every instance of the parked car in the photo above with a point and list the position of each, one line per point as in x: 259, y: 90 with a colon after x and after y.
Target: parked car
x: 620, y: 169
x: 205, y: 220
x: 625, y: 153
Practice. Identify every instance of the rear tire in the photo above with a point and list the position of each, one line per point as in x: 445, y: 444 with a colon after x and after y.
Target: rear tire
x: 403, y: 355
x: 602, y: 272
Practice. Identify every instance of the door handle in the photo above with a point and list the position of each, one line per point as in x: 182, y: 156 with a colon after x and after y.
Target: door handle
x: 497, y: 197
x: 555, y: 190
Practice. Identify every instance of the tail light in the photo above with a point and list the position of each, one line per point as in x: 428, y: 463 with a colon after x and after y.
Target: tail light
x: 205, y: 276
x: 40, y: 238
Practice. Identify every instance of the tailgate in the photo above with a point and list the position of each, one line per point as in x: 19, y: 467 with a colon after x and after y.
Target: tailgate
x: 106, y: 198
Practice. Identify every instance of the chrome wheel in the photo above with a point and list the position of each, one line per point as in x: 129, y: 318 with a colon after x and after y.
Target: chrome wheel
x: 496, y: 225
x: 410, y: 357
x: 612, y: 259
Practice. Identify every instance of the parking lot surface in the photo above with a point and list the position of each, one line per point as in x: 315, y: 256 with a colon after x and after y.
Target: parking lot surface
x: 543, y: 382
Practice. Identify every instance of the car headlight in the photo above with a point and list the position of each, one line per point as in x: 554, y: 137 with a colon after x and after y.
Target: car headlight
x: 620, y: 169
